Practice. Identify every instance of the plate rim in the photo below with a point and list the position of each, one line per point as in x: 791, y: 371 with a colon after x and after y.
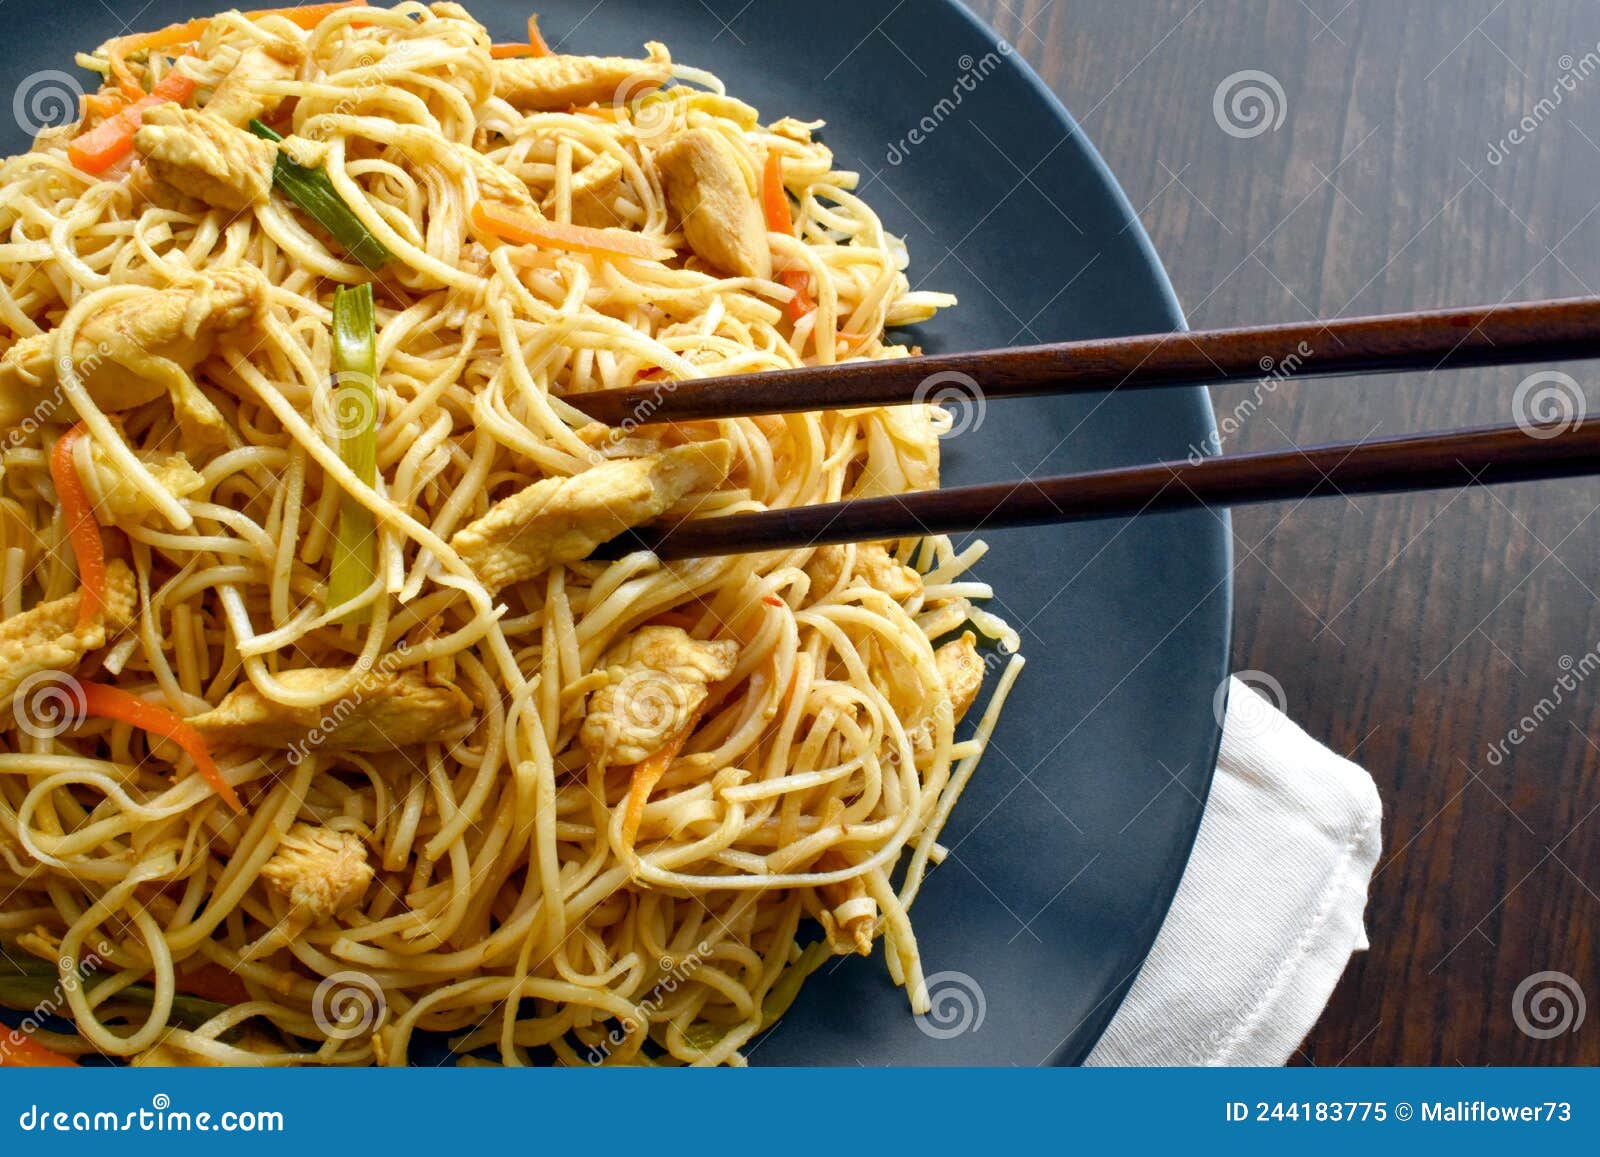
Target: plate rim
x: 1083, y: 1038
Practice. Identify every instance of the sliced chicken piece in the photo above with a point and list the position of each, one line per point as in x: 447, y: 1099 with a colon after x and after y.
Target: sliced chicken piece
x: 48, y: 637
x: 902, y: 451
x: 556, y: 83
x: 962, y: 669
x: 715, y: 197
x: 147, y: 344
x: 559, y: 520
x: 381, y: 713
x: 874, y: 565
x: 884, y: 572
x: 134, y: 351
x: 657, y: 678
x: 320, y: 871
x: 239, y: 99
x: 205, y: 157
x: 496, y: 184
x: 851, y: 914
x: 115, y: 497
x: 594, y: 192
x: 26, y: 376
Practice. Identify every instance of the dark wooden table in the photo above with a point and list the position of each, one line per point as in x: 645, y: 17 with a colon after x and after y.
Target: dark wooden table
x: 1414, y: 633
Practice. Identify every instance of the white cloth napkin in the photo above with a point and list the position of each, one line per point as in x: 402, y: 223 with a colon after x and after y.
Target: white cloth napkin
x: 1270, y: 906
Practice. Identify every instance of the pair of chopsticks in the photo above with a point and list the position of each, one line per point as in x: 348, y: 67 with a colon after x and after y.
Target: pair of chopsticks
x: 1440, y: 339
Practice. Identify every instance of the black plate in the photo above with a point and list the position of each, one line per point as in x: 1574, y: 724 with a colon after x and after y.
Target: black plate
x: 1071, y: 839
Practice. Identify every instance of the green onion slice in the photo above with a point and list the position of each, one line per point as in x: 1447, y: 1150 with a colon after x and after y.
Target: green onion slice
x: 312, y: 189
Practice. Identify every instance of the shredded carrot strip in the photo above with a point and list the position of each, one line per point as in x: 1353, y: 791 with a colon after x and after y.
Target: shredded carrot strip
x: 772, y: 600
x: 18, y: 1052
x: 112, y: 139
x: 798, y: 280
x: 773, y: 197
x: 107, y: 702
x: 647, y: 773
x: 775, y: 203
x: 169, y: 37
x: 535, y: 46
x: 306, y: 16
x: 536, y: 38
x: 526, y: 229
x: 82, y: 530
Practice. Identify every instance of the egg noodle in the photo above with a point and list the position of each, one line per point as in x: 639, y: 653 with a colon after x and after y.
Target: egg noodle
x: 513, y: 877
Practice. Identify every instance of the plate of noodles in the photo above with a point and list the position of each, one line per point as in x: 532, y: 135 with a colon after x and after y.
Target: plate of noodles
x: 325, y: 742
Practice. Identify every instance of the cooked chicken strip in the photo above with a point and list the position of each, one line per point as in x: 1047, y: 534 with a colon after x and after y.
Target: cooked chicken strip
x: 26, y: 376
x: 560, y: 520
x: 147, y: 344
x: 238, y: 99
x: 657, y: 678
x: 132, y: 352
x: 556, y: 83
x: 319, y: 870
x: 713, y: 195
x: 962, y: 669
x: 381, y: 713
x: 114, y: 495
x: 205, y: 157
x: 594, y: 191
x: 48, y: 637
x: 852, y: 913
x: 874, y: 564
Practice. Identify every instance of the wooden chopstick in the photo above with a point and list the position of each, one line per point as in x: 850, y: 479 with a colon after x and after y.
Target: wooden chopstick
x: 1476, y: 457
x: 1438, y: 339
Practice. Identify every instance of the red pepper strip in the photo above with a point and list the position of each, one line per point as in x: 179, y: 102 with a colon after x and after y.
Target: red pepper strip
x: 82, y: 530
x: 18, y: 1052
x: 108, y: 702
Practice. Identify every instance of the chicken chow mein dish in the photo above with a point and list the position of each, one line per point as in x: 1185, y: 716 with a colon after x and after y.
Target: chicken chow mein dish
x: 324, y: 740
